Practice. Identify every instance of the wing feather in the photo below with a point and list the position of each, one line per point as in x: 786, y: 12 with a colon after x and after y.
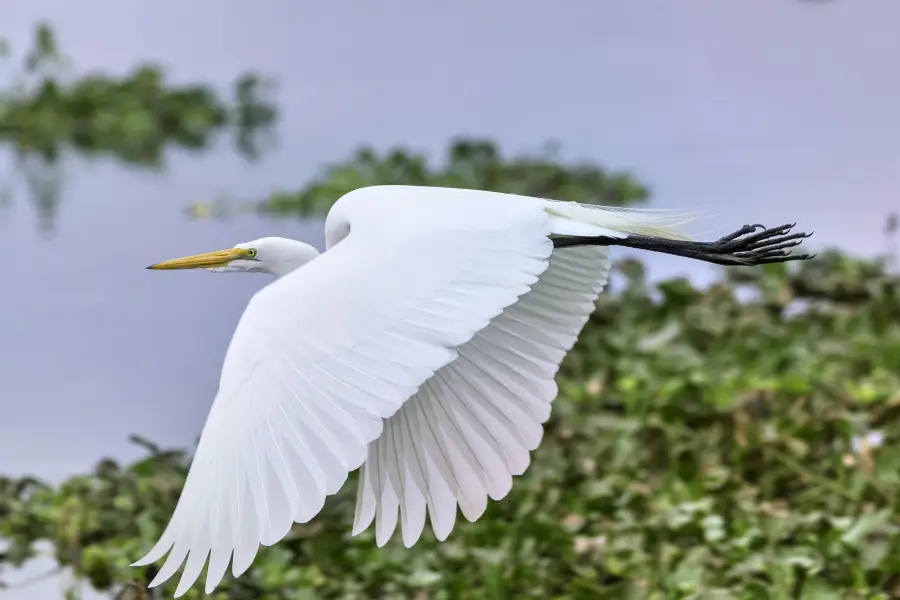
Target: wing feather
x: 319, y: 359
x: 482, y: 414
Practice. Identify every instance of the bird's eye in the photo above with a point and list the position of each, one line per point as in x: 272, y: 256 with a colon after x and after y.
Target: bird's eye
x: 251, y: 252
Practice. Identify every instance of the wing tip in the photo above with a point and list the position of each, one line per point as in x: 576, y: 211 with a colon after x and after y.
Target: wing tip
x: 151, y: 557
x: 160, y: 579
x: 410, y: 539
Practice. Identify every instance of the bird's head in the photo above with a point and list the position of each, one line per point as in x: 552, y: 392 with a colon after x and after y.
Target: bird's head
x: 272, y: 255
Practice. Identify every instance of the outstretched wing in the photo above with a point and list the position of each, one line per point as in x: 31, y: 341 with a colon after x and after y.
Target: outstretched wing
x: 469, y: 429
x: 323, y: 355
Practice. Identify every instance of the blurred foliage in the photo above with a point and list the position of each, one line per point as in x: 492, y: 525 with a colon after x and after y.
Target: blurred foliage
x: 469, y: 163
x: 132, y: 118
x: 735, y: 442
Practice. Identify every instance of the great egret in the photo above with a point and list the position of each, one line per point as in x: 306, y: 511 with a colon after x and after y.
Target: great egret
x: 422, y: 347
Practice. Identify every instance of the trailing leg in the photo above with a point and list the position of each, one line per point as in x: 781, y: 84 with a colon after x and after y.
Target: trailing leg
x: 748, y: 246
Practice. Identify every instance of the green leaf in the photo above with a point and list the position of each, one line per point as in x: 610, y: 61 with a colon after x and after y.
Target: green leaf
x: 865, y: 525
x: 819, y: 589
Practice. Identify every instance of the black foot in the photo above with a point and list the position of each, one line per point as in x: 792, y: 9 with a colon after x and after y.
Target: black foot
x: 748, y: 246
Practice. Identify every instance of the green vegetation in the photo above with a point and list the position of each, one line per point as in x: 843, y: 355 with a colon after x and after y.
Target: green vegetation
x: 470, y: 163
x: 735, y: 442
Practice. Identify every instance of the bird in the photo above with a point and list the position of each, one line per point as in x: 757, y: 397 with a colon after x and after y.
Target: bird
x: 421, y: 347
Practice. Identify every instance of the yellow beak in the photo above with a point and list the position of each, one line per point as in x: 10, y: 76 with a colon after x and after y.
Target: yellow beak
x: 219, y: 258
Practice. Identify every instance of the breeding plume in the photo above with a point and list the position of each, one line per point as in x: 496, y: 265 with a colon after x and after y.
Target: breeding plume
x: 422, y: 346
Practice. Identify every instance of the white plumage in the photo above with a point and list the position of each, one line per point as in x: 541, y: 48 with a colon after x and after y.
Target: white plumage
x: 422, y: 347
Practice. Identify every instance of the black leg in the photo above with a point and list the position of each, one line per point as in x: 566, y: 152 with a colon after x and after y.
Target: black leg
x: 748, y: 246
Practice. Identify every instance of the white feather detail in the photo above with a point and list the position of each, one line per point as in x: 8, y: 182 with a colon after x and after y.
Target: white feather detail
x: 572, y: 218
x: 469, y: 429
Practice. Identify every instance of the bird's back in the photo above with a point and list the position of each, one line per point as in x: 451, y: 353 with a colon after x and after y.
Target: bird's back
x: 411, y: 208
x: 422, y: 207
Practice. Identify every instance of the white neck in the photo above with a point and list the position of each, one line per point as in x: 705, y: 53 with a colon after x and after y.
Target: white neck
x: 288, y: 259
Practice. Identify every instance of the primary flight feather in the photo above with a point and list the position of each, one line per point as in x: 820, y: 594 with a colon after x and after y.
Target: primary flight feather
x: 422, y: 346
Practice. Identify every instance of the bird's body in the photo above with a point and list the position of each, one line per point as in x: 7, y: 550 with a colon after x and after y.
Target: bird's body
x: 421, y: 346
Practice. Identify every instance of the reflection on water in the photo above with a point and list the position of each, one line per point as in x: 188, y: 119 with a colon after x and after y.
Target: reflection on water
x: 47, y: 113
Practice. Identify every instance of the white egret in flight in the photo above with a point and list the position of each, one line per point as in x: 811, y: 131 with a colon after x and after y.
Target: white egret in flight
x: 421, y: 346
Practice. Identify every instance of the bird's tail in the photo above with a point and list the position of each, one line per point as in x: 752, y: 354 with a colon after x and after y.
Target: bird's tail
x: 586, y: 220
